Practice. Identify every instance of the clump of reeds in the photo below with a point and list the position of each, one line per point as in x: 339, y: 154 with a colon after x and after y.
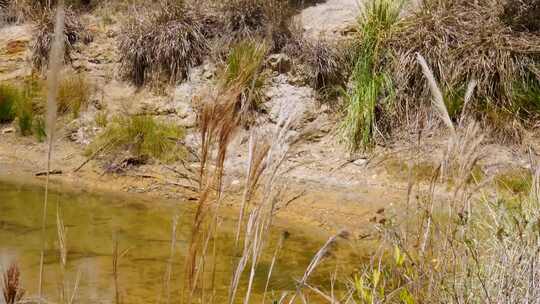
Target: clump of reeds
x: 371, y: 85
x: 11, y: 288
x: 217, y: 122
x: 142, y: 137
x: 165, y: 42
x: 74, y: 32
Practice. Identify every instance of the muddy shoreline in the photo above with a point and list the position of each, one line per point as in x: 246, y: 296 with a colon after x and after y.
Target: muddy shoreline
x: 313, y: 204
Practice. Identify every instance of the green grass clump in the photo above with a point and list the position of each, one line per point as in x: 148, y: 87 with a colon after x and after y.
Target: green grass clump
x: 101, y: 119
x: 30, y: 106
x: 9, y: 96
x: 370, y: 84
x: 142, y: 137
x: 419, y: 172
x: 243, y: 72
x: 517, y: 182
x: 23, y: 104
x: 73, y: 94
x: 526, y: 98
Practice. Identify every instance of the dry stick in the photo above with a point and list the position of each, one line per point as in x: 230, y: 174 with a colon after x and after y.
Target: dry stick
x: 55, y: 63
x: 214, y: 262
x: 115, y: 269
x: 246, y: 189
x: 171, y: 256
x: 91, y: 157
x: 62, y: 252
x: 272, y: 264
x: 76, y: 288
x: 319, y: 256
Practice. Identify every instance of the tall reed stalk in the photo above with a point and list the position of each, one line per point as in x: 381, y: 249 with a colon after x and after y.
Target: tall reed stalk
x: 56, y: 57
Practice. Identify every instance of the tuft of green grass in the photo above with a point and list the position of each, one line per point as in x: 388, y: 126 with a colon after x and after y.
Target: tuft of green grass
x: 39, y: 128
x: 517, y: 182
x: 371, y: 86
x: 420, y: 172
x: 142, y: 137
x: 9, y: 96
x: 243, y: 72
x: 526, y: 98
x: 73, y: 94
x: 101, y: 119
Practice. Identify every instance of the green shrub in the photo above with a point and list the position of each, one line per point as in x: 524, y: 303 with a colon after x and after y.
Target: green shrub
x: 526, y: 98
x: 9, y: 96
x: 25, y: 116
x: 142, y: 137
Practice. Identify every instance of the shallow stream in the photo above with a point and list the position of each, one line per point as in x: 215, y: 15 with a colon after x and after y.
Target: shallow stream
x: 143, y: 232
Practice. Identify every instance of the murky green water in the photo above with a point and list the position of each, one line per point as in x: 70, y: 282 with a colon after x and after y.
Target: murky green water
x: 141, y: 228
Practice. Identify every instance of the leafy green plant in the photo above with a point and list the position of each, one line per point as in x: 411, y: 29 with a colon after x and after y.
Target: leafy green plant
x: 371, y: 86
x: 141, y: 136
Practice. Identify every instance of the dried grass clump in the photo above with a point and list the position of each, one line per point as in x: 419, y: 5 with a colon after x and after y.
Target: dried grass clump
x: 463, y: 40
x: 166, y: 42
x: 11, y: 287
x: 522, y: 15
x: 268, y: 19
x: 324, y: 63
x: 11, y: 11
x: 73, y: 94
x: 74, y: 32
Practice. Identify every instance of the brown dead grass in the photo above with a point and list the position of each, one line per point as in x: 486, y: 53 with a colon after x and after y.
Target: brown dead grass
x: 462, y: 40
